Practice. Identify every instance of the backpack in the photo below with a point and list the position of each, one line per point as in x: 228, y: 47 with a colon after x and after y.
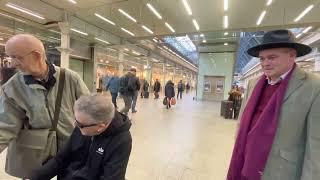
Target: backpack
x: 123, y: 85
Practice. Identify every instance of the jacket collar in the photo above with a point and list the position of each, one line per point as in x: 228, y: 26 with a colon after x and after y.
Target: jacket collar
x: 31, y: 81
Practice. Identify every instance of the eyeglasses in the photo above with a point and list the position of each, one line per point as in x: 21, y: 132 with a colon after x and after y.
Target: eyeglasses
x: 14, y: 57
x: 81, y: 126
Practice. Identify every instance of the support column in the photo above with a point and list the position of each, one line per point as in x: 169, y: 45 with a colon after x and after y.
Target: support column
x: 65, y: 44
x: 174, y: 74
x: 164, y: 76
x: 148, y: 70
x: 121, y: 60
x: 95, y: 67
x: 317, y: 63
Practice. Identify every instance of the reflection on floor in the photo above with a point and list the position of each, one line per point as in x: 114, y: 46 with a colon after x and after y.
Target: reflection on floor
x: 188, y: 142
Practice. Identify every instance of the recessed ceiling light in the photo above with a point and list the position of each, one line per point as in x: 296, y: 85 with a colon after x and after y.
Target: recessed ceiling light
x: 127, y: 15
x: 154, y: 10
x: 225, y: 22
x: 261, y: 17
x: 78, y: 31
x: 123, y: 29
x: 126, y: 49
x: 195, y: 23
x: 226, y: 33
x: 73, y: 1
x: 105, y: 19
x: 226, y: 5
x: 171, y: 29
x: 269, y: 2
x: 226, y: 44
x: 307, y: 29
x: 186, y: 5
x: 204, y: 41
x: 136, y: 53
x: 24, y: 10
x: 147, y: 29
x: 201, y: 35
x: 54, y: 31
x: 101, y: 40
x: 308, y: 9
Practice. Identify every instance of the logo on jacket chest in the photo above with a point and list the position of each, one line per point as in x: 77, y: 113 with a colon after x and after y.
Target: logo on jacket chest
x: 100, y: 151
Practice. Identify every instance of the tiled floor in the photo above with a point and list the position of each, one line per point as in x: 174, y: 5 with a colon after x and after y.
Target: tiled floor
x: 188, y: 142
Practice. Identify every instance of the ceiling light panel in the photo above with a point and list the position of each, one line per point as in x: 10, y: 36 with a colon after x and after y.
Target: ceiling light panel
x: 127, y: 15
x: 73, y: 1
x: 307, y: 29
x: 105, y: 19
x: 78, y: 31
x: 24, y: 10
x: 225, y: 22
x: 186, y: 5
x: 269, y: 2
x: 226, y: 5
x: 125, y: 30
x: 147, y: 29
x: 170, y: 27
x: 306, y: 11
x: 261, y: 17
x: 155, y: 12
x: 102, y: 40
x: 196, y: 25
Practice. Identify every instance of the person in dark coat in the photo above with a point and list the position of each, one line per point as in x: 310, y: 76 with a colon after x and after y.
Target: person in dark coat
x: 169, y: 92
x: 180, y: 89
x: 99, y: 147
x: 156, y: 89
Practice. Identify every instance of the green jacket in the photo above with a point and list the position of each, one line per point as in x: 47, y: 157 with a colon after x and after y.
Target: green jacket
x: 295, y: 153
x: 19, y: 101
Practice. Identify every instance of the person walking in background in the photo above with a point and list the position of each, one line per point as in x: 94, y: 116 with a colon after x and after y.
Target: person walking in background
x: 180, y: 89
x: 113, y: 87
x: 145, y: 89
x: 279, y: 137
x: 135, y: 84
x: 129, y: 87
x: 187, y: 87
x: 169, y: 92
x: 156, y: 89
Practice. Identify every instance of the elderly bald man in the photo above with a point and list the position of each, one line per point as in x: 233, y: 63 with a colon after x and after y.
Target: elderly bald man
x: 34, y: 121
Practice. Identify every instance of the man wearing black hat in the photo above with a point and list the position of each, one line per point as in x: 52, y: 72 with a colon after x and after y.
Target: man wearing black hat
x: 279, y: 133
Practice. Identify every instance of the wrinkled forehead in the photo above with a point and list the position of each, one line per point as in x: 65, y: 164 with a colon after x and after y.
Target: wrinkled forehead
x: 21, y: 44
x: 274, y: 51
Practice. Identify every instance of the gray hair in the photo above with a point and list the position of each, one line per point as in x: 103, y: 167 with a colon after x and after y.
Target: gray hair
x: 97, y: 106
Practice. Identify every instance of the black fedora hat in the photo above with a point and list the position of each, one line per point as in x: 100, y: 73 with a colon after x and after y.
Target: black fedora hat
x: 279, y: 39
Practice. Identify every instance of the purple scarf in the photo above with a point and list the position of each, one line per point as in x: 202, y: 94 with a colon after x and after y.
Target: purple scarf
x: 252, y: 147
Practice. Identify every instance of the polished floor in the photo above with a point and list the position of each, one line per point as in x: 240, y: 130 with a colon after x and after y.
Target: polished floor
x: 188, y: 142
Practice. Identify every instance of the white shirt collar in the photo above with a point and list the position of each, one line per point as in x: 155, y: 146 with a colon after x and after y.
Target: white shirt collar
x: 282, y: 77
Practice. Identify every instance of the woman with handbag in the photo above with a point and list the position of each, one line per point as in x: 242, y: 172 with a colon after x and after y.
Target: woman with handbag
x: 169, y: 93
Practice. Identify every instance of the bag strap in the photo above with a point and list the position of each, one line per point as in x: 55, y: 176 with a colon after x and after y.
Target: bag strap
x: 59, y: 98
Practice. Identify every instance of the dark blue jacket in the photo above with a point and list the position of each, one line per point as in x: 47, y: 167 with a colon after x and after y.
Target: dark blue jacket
x: 113, y: 84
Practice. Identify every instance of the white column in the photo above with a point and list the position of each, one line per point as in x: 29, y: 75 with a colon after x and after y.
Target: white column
x: 174, y: 75
x: 121, y: 60
x: 317, y: 63
x: 65, y: 44
x: 148, y: 71
x: 95, y: 67
x: 164, y: 75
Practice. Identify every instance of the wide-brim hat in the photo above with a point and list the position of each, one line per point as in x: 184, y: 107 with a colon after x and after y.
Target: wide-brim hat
x: 279, y: 39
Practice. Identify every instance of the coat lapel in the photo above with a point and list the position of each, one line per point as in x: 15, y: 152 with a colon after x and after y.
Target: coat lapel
x: 296, y: 81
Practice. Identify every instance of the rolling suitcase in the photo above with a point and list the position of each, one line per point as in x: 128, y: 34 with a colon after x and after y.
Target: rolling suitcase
x: 146, y: 94
x: 228, y: 111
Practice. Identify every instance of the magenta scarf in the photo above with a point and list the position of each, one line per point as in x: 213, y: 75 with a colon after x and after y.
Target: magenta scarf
x: 252, y: 147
